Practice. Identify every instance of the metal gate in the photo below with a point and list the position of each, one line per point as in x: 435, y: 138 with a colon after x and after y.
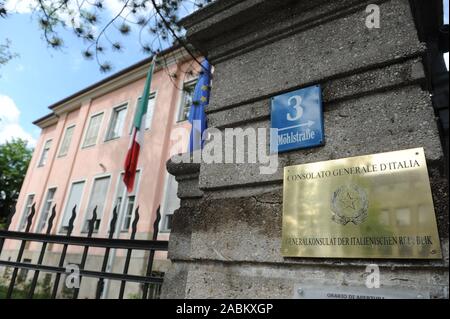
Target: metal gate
x: 150, y: 282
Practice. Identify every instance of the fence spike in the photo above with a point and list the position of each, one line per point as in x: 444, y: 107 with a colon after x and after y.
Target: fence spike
x: 129, y: 251
x: 30, y: 217
x: 112, y: 228
x: 92, y: 222
x: 41, y: 255
x: 135, y: 222
x: 64, y: 251
x: 50, y: 220
x: 156, y: 224
x: 91, y: 225
x: 72, y: 220
x: 112, y: 224
x: 151, y: 255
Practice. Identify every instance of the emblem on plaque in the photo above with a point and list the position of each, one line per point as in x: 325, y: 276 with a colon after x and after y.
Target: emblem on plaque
x: 349, y: 204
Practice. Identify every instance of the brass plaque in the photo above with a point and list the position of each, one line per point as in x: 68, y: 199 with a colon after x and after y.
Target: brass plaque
x: 374, y: 206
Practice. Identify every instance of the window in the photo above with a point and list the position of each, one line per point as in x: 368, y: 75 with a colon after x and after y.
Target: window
x: 128, y: 206
x: 186, y: 100
x: 155, y: 288
x: 65, y: 144
x: 26, y: 212
x: 7, y: 270
x: 73, y: 200
x: 46, y: 209
x: 171, y: 202
x: 129, y: 210
x: 23, y: 273
x: 90, y: 138
x: 45, y: 151
x: 47, y: 282
x: 117, y: 122
x: 150, y: 111
x: 97, y: 199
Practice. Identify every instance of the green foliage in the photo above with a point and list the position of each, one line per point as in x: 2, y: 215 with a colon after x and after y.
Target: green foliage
x: 14, y: 159
x: 5, y: 46
x: 158, y: 18
x: 5, y: 52
x: 21, y: 291
x: 2, y: 9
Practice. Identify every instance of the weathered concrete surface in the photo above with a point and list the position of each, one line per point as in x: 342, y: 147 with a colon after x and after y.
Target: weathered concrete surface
x: 226, y: 238
x: 352, y: 86
x: 396, y: 119
x: 327, y: 50
x: 225, y: 280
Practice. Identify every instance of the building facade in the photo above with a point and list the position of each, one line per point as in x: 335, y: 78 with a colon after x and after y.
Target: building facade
x: 79, y: 157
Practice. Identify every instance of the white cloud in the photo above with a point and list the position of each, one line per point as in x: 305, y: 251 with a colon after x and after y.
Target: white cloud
x: 115, y: 6
x: 9, y: 122
x: 20, y: 6
x: 27, y: 7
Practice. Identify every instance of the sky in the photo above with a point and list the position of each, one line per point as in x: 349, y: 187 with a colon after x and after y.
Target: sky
x: 41, y: 76
x: 446, y: 22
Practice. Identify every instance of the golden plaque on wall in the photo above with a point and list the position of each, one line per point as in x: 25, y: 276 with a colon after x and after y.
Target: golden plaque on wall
x: 374, y: 206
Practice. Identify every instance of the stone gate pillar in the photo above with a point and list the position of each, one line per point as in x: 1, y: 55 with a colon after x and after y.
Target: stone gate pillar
x: 226, y: 237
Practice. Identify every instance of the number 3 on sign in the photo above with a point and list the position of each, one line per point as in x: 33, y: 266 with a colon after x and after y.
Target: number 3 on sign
x: 297, y: 107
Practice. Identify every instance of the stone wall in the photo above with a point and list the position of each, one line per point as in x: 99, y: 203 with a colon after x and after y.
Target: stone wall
x: 226, y: 236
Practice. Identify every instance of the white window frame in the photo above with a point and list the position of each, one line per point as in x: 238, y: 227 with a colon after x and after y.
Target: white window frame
x: 181, y: 98
x: 62, y: 141
x: 99, y: 214
x: 66, y: 202
x: 163, y: 224
x: 153, y: 94
x: 24, y: 215
x: 45, y: 201
x: 42, y: 153
x: 136, y: 198
x: 124, y: 105
x: 83, y: 146
x: 122, y: 207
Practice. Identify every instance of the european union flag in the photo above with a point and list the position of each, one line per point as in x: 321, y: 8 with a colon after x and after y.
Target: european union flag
x: 197, y: 116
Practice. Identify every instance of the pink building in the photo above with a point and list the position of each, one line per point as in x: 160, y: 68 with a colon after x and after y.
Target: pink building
x: 79, y: 159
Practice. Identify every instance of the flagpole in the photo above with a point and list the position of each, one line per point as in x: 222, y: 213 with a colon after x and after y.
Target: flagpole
x: 123, y: 204
x: 116, y: 234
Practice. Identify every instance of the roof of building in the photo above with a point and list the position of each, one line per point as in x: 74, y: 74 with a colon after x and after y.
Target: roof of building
x: 92, y: 87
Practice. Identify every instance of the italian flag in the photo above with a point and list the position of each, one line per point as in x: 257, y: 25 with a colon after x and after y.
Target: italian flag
x: 137, y: 137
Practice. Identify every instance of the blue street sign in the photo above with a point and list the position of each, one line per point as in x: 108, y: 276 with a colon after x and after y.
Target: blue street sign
x: 298, y: 116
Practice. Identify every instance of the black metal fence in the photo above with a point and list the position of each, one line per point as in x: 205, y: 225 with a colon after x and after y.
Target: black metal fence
x: 150, y: 282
